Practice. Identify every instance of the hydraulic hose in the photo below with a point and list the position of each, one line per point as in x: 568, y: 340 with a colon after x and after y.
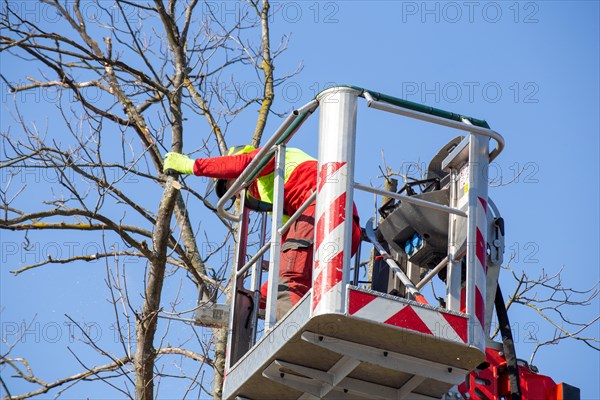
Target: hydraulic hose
x: 508, y: 345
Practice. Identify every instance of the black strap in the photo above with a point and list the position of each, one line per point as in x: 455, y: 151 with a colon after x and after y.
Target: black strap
x: 258, y: 205
x: 509, y: 346
x: 295, y: 244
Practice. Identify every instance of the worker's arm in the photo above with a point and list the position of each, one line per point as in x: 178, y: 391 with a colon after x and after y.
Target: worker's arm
x: 224, y: 167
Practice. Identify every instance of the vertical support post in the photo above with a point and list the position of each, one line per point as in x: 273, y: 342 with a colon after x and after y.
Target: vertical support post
x: 333, y: 233
x: 238, y: 342
x: 256, y: 280
x: 393, y: 283
x: 477, y: 238
x: 274, y: 254
x: 413, y: 272
x: 457, y: 237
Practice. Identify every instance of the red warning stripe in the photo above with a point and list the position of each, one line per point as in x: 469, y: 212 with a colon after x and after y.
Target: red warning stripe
x: 480, y: 249
x: 408, y: 318
x: 358, y: 300
x: 458, y: 324
x: 331, y: 218
x: 484, y: 204
x: 479, y: 307
x: 326, y: 171
x: 328, y: 277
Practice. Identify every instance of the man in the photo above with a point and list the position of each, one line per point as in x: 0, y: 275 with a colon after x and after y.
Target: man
x: 300, y: 181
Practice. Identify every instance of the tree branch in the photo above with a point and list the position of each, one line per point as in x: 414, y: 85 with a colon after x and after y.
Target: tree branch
x: 267, y: 67
x: 117, y: 364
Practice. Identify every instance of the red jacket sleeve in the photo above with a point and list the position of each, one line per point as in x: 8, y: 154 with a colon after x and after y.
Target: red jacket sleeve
x: 223, y: 167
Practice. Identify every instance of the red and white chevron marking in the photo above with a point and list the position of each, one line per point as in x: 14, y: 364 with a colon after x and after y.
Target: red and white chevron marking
x: 480, y: 268
x: 329, y: 236
x: 480, y: 273
x: 406, y: 315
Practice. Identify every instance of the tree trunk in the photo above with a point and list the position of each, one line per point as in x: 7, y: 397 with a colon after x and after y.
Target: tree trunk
x: 220, y: 336
x: 145, y: 352
x: 219, y: 362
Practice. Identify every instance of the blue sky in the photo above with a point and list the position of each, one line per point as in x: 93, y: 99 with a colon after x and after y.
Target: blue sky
x: 531, y: 69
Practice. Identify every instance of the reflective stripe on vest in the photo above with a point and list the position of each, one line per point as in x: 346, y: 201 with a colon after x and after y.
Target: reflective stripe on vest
x: 265, y: 184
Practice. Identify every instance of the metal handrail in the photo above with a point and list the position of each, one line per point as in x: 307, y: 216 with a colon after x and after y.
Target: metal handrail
x: 411, y: 105
x: 268, y: 150
x: 282, y: 230
x: 413, y: 200
x: 253, y: 259
x: 465, y: 124
x: 441, y: 265
x: 383, y: 102
x: 387, y: 103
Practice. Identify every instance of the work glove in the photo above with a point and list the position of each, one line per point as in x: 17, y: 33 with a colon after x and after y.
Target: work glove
x: 178, y: 162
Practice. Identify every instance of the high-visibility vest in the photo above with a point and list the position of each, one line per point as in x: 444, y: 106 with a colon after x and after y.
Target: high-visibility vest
x: 265, y: 184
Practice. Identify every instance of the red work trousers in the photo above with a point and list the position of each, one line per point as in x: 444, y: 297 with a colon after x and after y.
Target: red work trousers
x: 296, y: 261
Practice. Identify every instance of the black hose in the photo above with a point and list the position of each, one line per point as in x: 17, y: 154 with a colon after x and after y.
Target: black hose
x: 250, y: 308
x: 509, y: 346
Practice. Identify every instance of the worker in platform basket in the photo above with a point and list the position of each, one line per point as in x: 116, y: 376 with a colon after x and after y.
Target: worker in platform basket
x: 300, y: 181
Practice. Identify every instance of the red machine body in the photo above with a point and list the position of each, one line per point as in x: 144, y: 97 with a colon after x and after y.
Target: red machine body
x: 492, y: 382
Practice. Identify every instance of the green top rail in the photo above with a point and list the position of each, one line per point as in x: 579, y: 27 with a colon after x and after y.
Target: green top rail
x: 396, y: 101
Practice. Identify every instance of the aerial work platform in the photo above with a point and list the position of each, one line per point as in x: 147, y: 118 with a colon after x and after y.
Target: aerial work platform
x: 381, y: 347
x: 343, y: 340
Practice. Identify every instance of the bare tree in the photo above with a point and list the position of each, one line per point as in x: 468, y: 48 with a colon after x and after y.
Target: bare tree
x: 556, y: 305
x: 139, y: 77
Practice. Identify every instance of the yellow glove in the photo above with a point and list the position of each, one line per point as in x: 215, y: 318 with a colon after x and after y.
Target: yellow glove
x: 178, y: 162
